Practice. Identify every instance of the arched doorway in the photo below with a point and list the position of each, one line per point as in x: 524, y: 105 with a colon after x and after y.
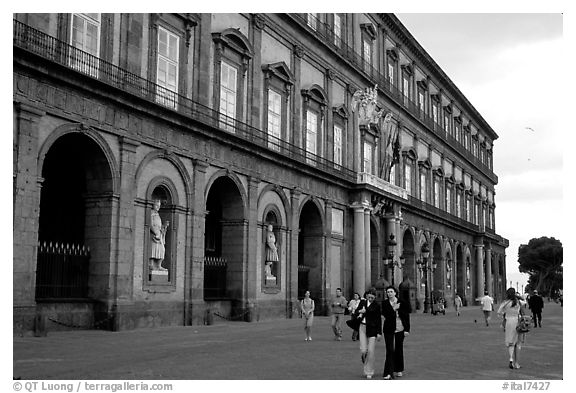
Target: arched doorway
x: 409, y: 270
x: 311, y: 255
x: 224, y: 246
x: 75, y: 221
x: 438, y: 274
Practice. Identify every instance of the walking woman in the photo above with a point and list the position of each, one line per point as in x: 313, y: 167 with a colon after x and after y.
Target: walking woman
x: 352, y: 306
x: 307, y: 307
x: 369, y: 314
x: 396, y: 327
x: 509, y: 310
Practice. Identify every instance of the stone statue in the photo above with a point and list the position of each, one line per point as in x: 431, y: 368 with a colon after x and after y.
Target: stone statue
x: 157, y: 237
x: 366, y: 104
x: 271, y: 254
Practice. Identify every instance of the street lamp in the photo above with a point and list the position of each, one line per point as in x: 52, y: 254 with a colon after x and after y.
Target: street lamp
x: 424, y: 266
x: 389, y: 257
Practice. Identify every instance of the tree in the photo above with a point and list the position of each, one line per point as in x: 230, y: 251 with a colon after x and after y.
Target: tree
x: 542, y: 259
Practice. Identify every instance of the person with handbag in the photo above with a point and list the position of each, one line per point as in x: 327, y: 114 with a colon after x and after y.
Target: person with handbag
x: 510, y: 311
x: 352, y: 306
x: 369, y: 315
x: 396, y: 327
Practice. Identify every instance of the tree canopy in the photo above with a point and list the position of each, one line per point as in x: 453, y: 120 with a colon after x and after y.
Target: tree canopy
x: 542, y: 259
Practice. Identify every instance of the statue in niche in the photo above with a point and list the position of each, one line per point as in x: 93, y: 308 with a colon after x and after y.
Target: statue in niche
x: 157, y: 237
x: 271, y: 254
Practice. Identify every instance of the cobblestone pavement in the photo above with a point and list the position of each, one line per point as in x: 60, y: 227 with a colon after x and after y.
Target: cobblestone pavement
x: 441, y: 347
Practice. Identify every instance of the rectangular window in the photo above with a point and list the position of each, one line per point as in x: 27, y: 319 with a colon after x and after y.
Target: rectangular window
x: 367, y: 55
x: 447, y: 124
x: 167, y: 68
x: 367, y: 158
x: 338, y: 145
x: 85, y: 38
x: 437, y: 193
x: 391, y: 73
x: 393, y: 175
x: 475, y: 218
x: 337, y: 30
x: 423, y: 187
x: 274, y: 120
x: 406, y: 88
x: 312, y: 20
x: 448, y: 200
x: 421, y: 101
x: 435, y: 113
x: 467, y: 209
x: 408, y: 178
x: 311, y: 131
x: 474, y: 149
x: 484, y: 218
x: 458, y: 204
x: 228, y: 92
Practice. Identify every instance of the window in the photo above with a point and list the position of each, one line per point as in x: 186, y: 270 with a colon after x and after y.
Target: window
x: 489, y: 157
x: 274, y: 119
x: 437, y: 193
x: 408, y: 177
x: 484, y: 217
x: 167, y: 68
x: 367, y: 158
x: 421, y: 104
x: 468, y: 209
x: 312, y: 20
x: 406, y: 89
x: 393, y: 175
x: 457, y: 130
x: 458, y: 204
x: 475, y: 219
x: 337, y: 30
x: 423, y: 186
x: 86, y: 38
x: 474, y: 149
x: 367, y: 54
x: 391, y: 73
x: 338, y: 144
x: 311, y: 131
x: 448, y: 199
x: 447, y: 123
x: 228, y: 92
x: 435, y: 113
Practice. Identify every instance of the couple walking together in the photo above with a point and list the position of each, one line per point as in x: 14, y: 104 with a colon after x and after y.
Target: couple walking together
x: 396, y: 326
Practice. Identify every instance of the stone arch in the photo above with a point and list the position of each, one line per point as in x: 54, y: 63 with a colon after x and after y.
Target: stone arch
x: 285, y: 202
x: 235, y: 39
x: 315, y: 201
x: 236, y: 179
x: 93, y: 134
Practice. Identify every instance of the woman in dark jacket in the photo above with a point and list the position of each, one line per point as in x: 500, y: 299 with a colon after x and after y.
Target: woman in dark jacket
x: 396, y: 327
x: 369, y: 314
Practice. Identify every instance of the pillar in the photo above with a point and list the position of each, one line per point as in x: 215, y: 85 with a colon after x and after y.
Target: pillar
x: 359, y: 249
x: 489, y: 284
x: 252, y: 238
x: 367, y: 249
x: 479, y: 269
x: 292, y: 263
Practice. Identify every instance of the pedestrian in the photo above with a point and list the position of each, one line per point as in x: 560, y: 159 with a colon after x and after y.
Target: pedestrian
x: 536, y: 304
x: 307, y: 307
x: 338, y: 306
x: 509, y: 310
x: 352, y: 305
x: 370, y: 331
x: 457, y: 304
x: 487, y: 306
x: 396, y: 327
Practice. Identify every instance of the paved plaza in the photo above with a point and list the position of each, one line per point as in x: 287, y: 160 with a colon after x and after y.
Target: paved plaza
x: 438, y: 348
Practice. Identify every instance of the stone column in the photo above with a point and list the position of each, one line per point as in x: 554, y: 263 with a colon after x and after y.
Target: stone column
x: 255, y: 97
x: 398, y: 273
x: 26, y: 203
x: 367, y: 248
x: 292, y: 262
x: 196, y: 305
x: 327, y: 250
x: 479, y: 269
x: 359, y: 249
x: 250, y: 268
x: 390, y: 230
x: 489, y: 284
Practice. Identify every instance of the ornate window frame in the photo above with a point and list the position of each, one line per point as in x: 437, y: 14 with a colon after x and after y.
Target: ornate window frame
x: 315, y: 100
x: 340, y: 117
x: 278, y: 78
x: 368, y: 35
x: 424, y: 169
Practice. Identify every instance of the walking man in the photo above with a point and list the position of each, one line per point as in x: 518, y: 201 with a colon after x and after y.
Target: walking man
x: 457, y: 304
x: 487, y: 307
x: 338, y: 307
x: 536, y: 304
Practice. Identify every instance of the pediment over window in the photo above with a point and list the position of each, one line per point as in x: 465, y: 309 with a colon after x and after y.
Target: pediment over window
x: 436, y: 97
x: 423, y: 84
x: 410, y: 153
x: 235, y: 40
x: 392, y: 54
x: 458, y: 119
x: 448, y: 108
x: 279, y: 70
x: 341, y: 111
x: 450, y: 179
x: 369, y: 29
x: 408, y: 69
x: 426, y: 164
x: 461, y: 186
x: 439, y: 171
x: 316, y: 94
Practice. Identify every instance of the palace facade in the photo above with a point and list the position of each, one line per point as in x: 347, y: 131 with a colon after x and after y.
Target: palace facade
x: 289, y: 152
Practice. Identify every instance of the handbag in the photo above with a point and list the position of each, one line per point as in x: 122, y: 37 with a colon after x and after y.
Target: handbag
x: 524, y: 322
x: 353, y: 323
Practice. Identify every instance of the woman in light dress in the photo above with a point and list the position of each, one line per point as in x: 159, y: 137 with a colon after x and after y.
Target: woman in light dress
x: 307, y: 307
x: 509, y: 311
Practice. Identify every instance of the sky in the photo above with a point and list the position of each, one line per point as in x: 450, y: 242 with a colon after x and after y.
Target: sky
x: 505, y: 65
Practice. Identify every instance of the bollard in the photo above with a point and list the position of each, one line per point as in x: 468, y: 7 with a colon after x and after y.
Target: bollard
x: 209, y: 317
x: 40, y: 325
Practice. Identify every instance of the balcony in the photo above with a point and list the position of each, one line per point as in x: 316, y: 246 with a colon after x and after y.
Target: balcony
x: 37, y: 43
x: 325, y: 33
x: 417, y: 203
x: 381, y: 184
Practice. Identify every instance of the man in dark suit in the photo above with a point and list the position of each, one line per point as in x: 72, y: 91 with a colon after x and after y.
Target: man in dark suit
x: 536, y: 305
x: 369, y: 314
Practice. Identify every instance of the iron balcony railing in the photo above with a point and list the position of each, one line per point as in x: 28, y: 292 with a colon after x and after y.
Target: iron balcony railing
x: 415, y: 202
x: 325, y: 32
x: 52, y: 49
